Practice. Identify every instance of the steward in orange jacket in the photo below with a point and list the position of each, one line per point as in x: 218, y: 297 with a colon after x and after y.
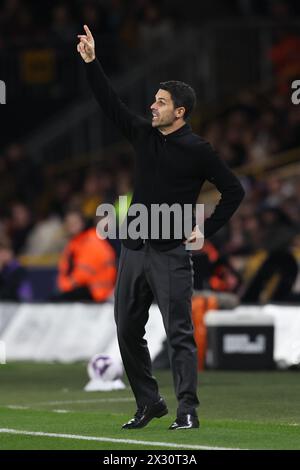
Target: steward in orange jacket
x: 88, y: 262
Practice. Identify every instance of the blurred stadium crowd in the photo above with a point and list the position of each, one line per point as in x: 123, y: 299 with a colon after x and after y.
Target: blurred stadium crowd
x: 132, y: 24
x: 251, y: 133
x: 257, y: 134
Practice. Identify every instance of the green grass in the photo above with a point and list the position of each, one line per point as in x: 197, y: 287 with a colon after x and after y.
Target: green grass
x: 257, y: 410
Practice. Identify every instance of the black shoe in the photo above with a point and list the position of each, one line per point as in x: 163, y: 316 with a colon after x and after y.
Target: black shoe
x: 144, y: 415
x: 185, y: 422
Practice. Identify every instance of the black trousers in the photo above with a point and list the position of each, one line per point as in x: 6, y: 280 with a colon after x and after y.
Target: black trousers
x: 167, y: 277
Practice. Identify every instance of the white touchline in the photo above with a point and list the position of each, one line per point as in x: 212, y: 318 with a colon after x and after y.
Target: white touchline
x: 94, y: 400
x: 17, y: 407
x: 109, y: 439
x: 60, y: 411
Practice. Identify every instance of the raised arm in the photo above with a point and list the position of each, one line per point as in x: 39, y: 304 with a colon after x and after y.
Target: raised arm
x: 127, y: 121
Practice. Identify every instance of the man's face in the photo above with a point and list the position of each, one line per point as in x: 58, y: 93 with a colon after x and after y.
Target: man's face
x: 74, y: 224
x: 163, y: 111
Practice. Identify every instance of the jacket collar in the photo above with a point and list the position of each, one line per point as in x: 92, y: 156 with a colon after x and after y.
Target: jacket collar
x: 183, y: 130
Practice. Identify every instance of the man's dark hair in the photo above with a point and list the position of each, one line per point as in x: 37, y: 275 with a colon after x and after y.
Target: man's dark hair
x: 181, y: 94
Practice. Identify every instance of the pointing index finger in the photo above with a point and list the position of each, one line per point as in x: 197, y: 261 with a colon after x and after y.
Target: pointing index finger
x: 88, y: 32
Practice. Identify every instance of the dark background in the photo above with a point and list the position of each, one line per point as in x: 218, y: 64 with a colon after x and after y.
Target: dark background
x: 57, y: 149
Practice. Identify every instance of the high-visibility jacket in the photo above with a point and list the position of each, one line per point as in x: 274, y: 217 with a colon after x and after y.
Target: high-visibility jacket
x: 88, y: 261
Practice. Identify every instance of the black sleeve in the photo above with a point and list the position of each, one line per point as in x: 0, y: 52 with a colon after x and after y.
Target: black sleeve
x: 232, y: 193
x: 128, y: 122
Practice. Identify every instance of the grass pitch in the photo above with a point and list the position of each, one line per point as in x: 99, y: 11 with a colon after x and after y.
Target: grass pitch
x: 257, y: 410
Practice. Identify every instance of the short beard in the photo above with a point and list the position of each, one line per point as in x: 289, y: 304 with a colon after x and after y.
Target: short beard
x: 163, y: 125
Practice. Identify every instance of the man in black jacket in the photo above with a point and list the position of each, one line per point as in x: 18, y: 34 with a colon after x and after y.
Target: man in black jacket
x: 172, y: 164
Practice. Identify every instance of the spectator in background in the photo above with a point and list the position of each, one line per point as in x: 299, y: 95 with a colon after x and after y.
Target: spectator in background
x: 23, y: 170
x: 278, y: 229
x: 87, y: 266
x: 95, y: 15
x: 63, y: 27
x: 58, y: 198
x: 47, y: 237
x: 16, y: 22
x: 115, y: 15
x: 20, y: 226
x: 96, y: 190
x: 156, y: 31
x: 14, y: 285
